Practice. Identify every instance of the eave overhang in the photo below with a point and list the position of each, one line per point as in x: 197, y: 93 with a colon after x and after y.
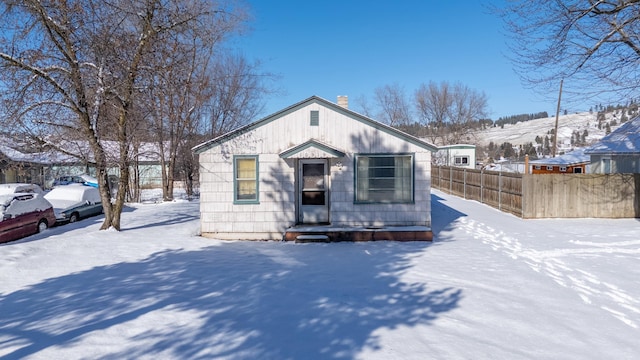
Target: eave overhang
x: 312, y: 149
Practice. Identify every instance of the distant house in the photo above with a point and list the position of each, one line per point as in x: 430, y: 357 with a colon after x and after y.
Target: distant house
x: 618, y: 152
x: 573, y: 162
x: 461, y: 155
x: 42, y: 167
x: 19, y: 166
x: 316, y: 170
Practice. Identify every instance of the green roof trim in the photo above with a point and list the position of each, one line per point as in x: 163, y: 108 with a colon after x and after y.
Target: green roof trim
x: 312, y: 143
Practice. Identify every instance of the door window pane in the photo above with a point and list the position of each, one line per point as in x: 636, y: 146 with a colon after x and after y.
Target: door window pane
x: 313, y: 186
x: 313, y: 198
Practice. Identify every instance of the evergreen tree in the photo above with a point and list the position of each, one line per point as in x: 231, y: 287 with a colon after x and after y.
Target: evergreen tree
x: 547, y: 147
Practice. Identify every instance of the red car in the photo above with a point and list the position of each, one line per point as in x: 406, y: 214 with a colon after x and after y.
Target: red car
x: 24, y: 214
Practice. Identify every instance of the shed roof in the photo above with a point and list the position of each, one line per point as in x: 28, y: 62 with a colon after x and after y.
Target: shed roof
x: 314, y: 99
x: 625, y: 140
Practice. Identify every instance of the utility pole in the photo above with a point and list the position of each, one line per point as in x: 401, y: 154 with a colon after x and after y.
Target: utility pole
x: 555, y: 131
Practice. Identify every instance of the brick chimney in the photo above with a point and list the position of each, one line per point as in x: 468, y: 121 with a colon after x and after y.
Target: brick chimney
x: 343, y: 100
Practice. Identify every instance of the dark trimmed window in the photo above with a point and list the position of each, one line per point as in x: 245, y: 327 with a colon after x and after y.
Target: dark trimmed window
x: 461, y: 160
x: 384, y: 179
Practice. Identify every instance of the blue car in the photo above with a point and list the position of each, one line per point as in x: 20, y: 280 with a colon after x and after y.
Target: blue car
x: 76, y: 179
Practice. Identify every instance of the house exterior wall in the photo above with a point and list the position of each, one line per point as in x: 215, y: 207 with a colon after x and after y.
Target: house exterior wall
x: 556, y: 169
x: 615, y: 164
x: 276, y: 210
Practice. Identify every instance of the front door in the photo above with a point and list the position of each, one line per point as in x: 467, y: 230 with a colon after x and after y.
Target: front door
x: 313, y: 199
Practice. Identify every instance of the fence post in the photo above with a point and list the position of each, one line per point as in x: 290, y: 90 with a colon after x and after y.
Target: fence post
x: 500, y: 191
x: 464, y: 180
x: 522, y: 195
x: 450, y: 180
x: 482, y: 185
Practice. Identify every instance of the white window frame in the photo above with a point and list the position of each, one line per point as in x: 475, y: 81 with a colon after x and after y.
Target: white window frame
x: 607, y: 164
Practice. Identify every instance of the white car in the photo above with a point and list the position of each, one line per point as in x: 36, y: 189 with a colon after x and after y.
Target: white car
x: 74, y: 202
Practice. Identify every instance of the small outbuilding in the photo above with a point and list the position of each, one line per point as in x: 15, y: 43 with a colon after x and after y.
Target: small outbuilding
x: 316, y: 171
x: 460, y: 155
x: 573, y: 162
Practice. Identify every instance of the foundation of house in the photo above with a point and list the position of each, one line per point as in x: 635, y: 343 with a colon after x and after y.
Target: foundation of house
x: 328, y: 233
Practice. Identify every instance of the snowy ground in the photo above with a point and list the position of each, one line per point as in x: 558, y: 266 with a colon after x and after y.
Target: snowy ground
x: 491, y: 286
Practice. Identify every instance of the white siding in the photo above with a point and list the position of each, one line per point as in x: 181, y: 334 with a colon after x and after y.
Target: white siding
x: 276, y: 210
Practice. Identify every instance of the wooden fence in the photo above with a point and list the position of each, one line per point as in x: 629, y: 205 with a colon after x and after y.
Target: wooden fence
x: 545, y: 195
x: 500, y: 190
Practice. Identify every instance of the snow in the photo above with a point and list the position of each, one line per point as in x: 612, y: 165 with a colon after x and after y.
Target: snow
x: 526, y: 131
x: 576, y: 156
x: 74, y: 193
x: 624, y: 140
x: 491, y: 286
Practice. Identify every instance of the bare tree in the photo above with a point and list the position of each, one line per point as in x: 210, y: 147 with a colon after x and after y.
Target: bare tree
x: 174, y: 96
x: 393, y: 104
x: 234, y: 93
x: 433, y: 103
x: 450, y: 112
x: 594, y: 45
x: 77, y: 68
x: 362, y: 106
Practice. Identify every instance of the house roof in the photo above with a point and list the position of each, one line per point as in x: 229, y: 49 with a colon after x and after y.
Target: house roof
x: 574, y: 157
x: 313, y: 99
x: 147, y: 152
x: 457, y: 146
x: 48, y: 157
x: 625, y: 140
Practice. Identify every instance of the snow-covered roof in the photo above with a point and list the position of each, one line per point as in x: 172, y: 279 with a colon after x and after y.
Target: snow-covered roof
x: 48, y: 157
x: 576, y: 156
x: 505, y: 166
x: 624, y: 140
x: 147, y: 152
x: 457, y: 146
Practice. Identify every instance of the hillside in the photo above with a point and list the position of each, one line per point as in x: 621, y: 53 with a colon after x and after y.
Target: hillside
x: 525, y: 132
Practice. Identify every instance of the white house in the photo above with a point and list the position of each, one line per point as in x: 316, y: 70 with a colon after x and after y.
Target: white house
x: 316, y: 170
x: 461, y: 155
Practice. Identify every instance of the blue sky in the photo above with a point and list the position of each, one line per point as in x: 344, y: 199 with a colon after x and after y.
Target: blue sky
x: 331, y: 47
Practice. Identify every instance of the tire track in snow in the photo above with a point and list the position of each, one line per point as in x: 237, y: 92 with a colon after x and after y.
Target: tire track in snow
x: 588, y: 286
